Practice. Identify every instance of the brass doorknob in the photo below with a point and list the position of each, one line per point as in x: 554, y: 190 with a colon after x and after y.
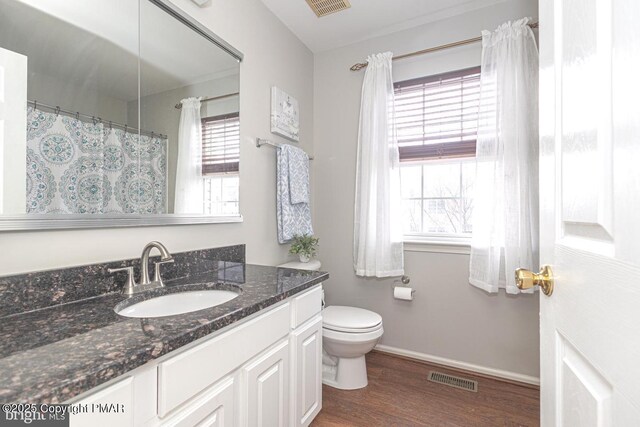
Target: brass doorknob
x: 526, y: 279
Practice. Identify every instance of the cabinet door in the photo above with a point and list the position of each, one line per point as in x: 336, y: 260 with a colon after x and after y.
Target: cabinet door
x: 111, y: 406
x: 214, y: 408
x: 306, y: 368
x: 266, y: 388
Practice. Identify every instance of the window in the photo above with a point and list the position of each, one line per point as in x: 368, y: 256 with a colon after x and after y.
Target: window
x: 436, y: 126
x: 221, y: 144
x: 220, y: 164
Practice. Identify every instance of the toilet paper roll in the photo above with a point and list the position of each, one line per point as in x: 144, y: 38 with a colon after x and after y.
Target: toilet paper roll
x: 403, y: 292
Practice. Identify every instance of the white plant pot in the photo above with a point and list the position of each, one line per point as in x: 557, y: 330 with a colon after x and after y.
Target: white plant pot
x: 304, y: 258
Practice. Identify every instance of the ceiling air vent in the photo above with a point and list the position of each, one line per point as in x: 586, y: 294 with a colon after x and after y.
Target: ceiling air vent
x: 327, y: 7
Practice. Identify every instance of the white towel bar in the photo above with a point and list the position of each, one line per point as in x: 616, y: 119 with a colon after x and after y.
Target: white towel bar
x: 260, y: 142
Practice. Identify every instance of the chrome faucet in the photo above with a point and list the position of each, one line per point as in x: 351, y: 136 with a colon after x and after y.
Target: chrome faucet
x: 131, y: 287
x: 165, y: 257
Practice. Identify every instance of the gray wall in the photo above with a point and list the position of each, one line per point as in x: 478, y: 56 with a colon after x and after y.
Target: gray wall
x: 273, y: 56
x: 70, y: 96
x: 448, y: 318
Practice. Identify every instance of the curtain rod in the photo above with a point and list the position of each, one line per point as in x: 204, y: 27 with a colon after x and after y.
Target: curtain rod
x: 95, y: 119
x: 260, y: 142
x: 361, y: 65
x: 211, y: 98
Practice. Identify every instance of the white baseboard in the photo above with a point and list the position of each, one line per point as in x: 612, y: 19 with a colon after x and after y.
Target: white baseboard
x: 508, y: 375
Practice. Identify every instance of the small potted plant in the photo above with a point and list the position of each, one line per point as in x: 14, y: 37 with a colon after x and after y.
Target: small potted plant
x: 304, y: 246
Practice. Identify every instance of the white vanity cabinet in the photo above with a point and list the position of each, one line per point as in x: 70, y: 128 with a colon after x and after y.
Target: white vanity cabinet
x: 265, y: 370
x: 306, y: 357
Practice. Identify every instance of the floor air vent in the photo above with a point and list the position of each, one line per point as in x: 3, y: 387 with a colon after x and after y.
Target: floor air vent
x: 450, y: 380
x: 326, y: 7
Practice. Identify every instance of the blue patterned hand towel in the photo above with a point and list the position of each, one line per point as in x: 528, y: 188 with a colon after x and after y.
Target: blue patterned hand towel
x: 298, y: 175
x: 292, y: 176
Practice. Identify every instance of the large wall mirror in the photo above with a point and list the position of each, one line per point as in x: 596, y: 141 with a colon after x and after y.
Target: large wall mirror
x: 115, y: 113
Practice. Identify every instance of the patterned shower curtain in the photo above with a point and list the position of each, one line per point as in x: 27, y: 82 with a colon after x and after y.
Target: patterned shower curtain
x: 77, y: 167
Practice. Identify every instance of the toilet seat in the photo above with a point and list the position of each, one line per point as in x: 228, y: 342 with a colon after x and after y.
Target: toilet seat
x: 350, y: 337
x: 350, y: 320
x: 352, y: 330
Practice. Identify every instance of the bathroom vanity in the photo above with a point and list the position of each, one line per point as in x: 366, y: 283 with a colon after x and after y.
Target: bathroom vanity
x: 254, y: 360
x: 263, y: 370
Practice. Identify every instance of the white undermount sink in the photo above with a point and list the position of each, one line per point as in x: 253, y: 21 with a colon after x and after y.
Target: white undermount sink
x: 177, y: 303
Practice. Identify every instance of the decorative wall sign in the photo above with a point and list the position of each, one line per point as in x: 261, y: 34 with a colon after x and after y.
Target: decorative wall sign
x: 285, y: 116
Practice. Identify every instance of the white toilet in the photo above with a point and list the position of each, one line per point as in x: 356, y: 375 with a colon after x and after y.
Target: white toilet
x: 348, y: 333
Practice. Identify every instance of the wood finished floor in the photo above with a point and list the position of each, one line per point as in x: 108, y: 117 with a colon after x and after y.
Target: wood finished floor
x: 399, y: 394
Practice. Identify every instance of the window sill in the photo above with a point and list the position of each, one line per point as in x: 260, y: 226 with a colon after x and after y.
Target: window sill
x: 445, y: 245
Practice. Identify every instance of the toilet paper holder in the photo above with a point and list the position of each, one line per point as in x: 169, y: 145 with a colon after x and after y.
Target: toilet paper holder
x: 402, y: 283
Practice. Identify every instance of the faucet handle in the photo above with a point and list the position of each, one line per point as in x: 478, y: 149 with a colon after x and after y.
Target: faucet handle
x: 157, y: 278
x: 130, y: 285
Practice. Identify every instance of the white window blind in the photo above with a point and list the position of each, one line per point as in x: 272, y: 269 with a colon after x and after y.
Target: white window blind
x: 221, y: 144
x: 437, y: 116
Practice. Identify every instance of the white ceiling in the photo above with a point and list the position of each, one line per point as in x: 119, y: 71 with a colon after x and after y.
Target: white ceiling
x: 365, y: 19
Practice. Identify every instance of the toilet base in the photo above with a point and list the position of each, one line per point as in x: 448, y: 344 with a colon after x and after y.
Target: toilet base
x: 349, y: 374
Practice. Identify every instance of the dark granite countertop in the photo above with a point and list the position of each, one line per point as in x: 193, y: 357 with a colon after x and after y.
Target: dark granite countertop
x: 53, y: 354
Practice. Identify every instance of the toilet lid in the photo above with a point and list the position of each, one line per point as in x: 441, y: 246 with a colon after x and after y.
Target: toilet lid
x: 350, y: 319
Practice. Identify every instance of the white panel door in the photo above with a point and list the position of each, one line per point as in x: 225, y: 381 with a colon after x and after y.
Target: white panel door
x: 306, y: 381
x: 266, y: 389
x: 13, y: 132
x: 590, y: 212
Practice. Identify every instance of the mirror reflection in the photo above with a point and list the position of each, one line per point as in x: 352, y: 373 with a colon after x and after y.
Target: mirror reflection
x: 114, y: 107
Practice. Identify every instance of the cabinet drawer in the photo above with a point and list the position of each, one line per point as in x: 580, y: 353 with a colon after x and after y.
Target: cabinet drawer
x: 187, y: 374
x: 305, y: 306
x: 111, y: 406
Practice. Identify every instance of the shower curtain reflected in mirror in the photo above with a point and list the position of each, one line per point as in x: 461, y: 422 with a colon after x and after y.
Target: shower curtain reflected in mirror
x: 87, y: 167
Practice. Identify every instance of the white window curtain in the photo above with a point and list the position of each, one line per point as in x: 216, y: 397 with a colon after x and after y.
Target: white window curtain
x: 189, y: 183
x: 377, y: 240
x: 505, y: 224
